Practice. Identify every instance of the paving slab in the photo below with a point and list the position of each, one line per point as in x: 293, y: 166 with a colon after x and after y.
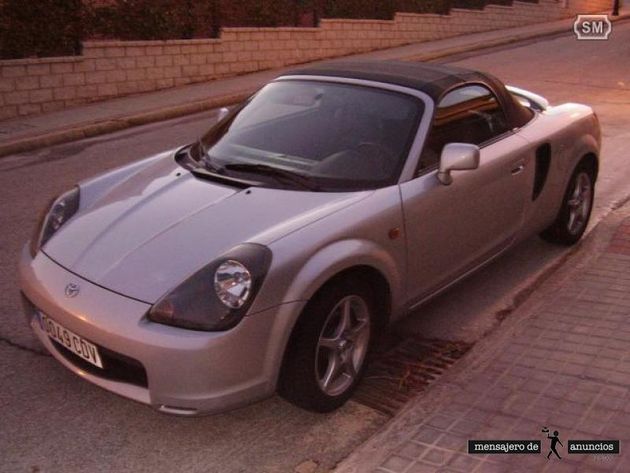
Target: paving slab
x: 562, y: 362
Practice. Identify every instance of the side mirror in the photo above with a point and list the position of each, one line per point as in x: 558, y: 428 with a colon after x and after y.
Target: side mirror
x: 457, y: 157
x: 223, y: 111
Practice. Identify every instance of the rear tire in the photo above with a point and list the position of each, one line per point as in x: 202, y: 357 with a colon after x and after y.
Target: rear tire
x: 326, y: 355
x: 577, y: 204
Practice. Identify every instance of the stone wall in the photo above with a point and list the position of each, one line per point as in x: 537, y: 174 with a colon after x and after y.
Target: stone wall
x: 110, y: 69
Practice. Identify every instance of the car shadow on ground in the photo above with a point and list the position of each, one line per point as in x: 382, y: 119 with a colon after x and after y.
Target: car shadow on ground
x: 421, y: 347
x: 469, y: 309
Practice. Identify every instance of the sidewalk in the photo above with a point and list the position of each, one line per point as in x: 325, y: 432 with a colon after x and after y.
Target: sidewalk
x: 32, y: 132
x: 562, y: 361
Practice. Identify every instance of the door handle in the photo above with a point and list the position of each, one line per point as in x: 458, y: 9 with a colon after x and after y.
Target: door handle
x: 518, y: 169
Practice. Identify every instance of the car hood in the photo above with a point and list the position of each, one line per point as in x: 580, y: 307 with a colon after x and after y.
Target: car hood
x: 148, y: 233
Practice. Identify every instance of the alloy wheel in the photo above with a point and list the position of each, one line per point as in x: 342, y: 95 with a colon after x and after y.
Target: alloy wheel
x: 342, y: 345
x: 580, y: 203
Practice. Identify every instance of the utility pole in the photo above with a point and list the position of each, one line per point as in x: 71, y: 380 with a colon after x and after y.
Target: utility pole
x: 615, y: 11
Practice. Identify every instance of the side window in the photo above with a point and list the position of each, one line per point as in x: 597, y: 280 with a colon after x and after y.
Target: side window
x: 469, y: 114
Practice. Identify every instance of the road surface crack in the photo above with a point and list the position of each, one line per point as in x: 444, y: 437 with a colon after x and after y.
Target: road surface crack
x: 24, y: 347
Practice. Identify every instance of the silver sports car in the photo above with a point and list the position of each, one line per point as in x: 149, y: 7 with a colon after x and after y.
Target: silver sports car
x: 267, y: 255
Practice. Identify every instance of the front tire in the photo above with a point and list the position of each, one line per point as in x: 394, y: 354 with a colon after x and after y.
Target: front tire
x: 326, y: 355
x: 577, y: 204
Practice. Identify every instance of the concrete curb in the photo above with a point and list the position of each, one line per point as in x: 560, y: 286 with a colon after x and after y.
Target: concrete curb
x: 91, y: 129
x: 481, y: 45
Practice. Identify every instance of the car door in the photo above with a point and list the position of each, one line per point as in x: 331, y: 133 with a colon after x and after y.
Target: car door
x: 451, y: 229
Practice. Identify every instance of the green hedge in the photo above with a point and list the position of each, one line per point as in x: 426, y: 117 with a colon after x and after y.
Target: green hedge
x: 263, y: 13
x: 56, y: 27
x: 383, y: 9
x: 424, y: 6
x: 506, y: 2
x: 40, y: 28
x: 470, y: 4
x: 152, y: 19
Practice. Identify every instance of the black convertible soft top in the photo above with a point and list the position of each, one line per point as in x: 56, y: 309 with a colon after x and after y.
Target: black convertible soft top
x: 432, y: 79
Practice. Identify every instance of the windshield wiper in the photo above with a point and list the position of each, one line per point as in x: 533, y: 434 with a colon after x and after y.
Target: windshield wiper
x: 278, y: 173
x: 206, y: 160
x: 203, y: 173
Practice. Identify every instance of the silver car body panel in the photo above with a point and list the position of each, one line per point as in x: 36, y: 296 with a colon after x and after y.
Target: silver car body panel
x: 188, y: 371
x: 573, y: 132
x: 305, y: 259
x: 473, y: 224
x: 142, y: 229
x: 164, y: 210
x: 538, y: 100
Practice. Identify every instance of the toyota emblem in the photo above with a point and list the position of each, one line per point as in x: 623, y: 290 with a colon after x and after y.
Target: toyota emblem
x: 72, y: 290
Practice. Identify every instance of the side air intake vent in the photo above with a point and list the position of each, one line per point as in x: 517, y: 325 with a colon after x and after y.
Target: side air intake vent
x: 543, y: 160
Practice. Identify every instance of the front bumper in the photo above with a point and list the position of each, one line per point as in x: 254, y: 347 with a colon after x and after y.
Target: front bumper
x: 187, y: 372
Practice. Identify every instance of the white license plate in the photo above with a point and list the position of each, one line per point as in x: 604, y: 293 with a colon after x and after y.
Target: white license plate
x: 77, y: 345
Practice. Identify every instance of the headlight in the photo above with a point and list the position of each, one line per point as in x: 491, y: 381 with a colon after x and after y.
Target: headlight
x: 217, y: 296
x: 60, y: 211
x: 233, y: 284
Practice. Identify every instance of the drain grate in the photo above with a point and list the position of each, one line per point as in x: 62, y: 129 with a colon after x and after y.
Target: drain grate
x: 400, y: 369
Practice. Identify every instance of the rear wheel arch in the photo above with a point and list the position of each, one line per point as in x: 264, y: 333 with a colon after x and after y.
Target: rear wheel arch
x: 585, y: 150
x: 577, y: 204
x: 590, y: 161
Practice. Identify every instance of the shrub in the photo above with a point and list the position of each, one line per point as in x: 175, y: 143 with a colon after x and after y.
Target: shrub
x: 470, y: 4
x: 56, y: 27
x: 382, y: 9
x: 152, y: 19
x: 424, y: 6
x: 182, y: 19
x: 40, y: 28
x: 262, y: 13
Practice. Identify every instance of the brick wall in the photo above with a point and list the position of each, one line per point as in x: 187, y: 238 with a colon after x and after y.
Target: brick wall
x: 110, y: 69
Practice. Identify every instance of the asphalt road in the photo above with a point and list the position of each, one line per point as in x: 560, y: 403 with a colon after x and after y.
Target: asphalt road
x: 50, y: 420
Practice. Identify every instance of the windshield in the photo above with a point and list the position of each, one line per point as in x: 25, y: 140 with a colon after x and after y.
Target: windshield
x: 336, y: 136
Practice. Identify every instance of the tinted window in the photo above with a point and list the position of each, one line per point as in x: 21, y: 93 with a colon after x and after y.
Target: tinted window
x: 469, y: 114
x: 339, y: 136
